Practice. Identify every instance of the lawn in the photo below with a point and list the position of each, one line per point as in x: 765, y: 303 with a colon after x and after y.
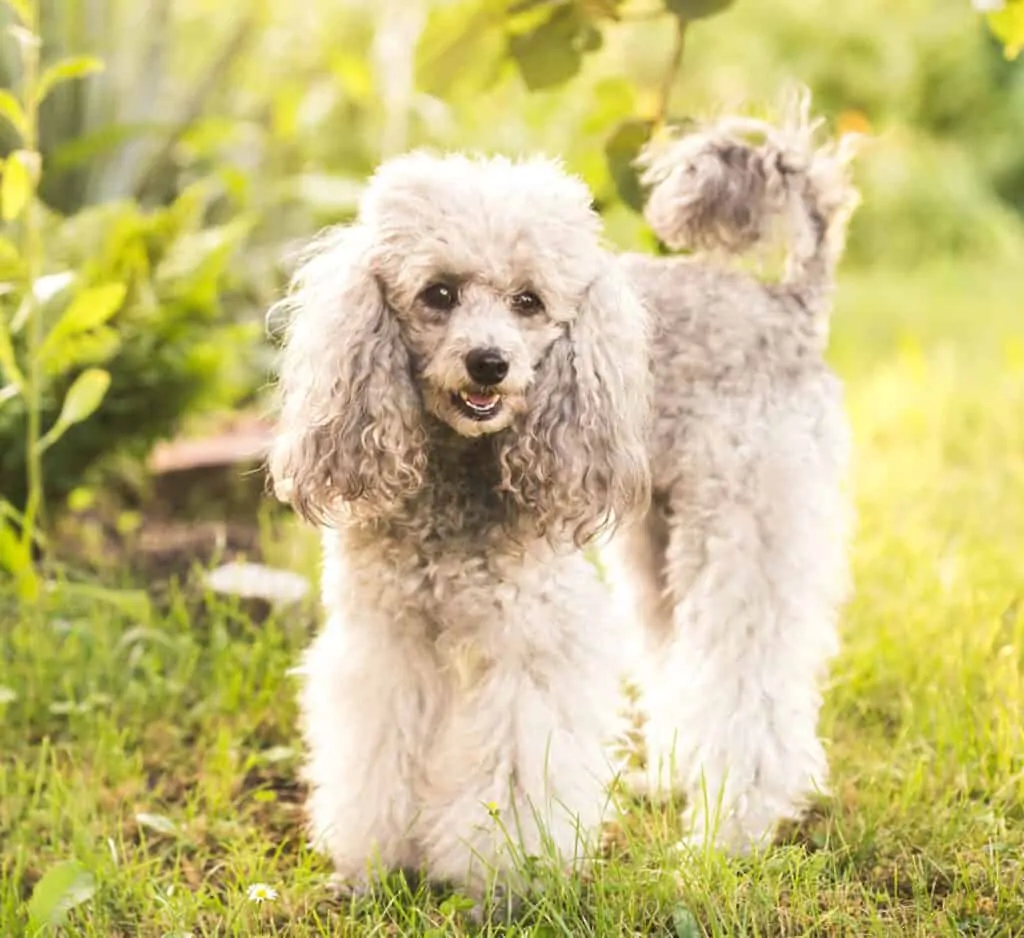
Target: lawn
x: 158, y: 751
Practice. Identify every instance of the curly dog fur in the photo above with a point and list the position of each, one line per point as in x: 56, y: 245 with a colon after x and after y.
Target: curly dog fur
x: 464, y: 399
x: 740, y: 566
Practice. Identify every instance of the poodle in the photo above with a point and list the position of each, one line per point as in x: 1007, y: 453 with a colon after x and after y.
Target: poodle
x: 464, y: 397
x: 739, y: 569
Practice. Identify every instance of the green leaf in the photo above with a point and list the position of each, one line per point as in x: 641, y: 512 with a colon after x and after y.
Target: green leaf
x: 456, y: 903
x: 1008, y: 26
x: 14, y: 554
x: 621, y: 152
x: 93, y: 349
x: 21, y: 9
x: 89, y: 309
x: 552, y: 52
x: 16, y: 188
x: 10, y: 108
x: 64, y: 886
x: 696, y: 9
x: 69, y: 69
x: 82, y: 400
x: 684, y: 924
x: 8, y: 362
x: 460, y: 49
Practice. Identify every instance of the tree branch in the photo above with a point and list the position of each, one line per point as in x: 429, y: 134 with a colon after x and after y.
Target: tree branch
x: 668, y: 80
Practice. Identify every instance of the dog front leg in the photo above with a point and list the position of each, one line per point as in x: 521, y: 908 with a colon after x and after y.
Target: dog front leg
x: 363, y: 707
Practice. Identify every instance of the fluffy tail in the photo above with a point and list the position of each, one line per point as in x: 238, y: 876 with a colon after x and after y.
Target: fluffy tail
x: 738, y: 183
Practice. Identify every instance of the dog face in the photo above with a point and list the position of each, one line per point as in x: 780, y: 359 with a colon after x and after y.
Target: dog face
x: 474, y: 291
x: 484, y: 265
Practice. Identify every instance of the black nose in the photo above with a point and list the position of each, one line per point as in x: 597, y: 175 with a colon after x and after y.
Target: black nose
x: 486, y: 365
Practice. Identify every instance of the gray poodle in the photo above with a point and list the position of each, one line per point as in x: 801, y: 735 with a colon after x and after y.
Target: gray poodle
x: 740, y: 567
x: 464, y: 402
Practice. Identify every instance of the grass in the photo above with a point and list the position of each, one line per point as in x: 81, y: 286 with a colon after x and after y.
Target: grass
x: 158, y: 752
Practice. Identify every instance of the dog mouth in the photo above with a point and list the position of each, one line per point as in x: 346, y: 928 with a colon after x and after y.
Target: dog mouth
x: 477, y: 405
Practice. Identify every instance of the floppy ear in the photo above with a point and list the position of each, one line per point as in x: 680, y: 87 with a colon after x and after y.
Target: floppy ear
x: 580, y: 460
x: 349, y: 428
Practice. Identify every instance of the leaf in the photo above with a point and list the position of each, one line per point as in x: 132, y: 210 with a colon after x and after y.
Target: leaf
x: 460, y: 48
x: 16, y: 188
x: 621, y: 152
x: 1008, y: 26
x: 14, y: 555
x: 8, y: 363
x: 82, y: 400
x: 93, y: 349
x: 456, y: 903
x: 8, y: 393
x: 684, y: 924
x: 64, y: 886
x: 696, y: 9
x: 69, y: 69
x: 552, y: 52
x: 10, y: 108
x: 89, y: 309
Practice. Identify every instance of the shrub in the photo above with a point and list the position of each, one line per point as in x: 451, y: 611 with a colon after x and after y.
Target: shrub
x: 171, y: 347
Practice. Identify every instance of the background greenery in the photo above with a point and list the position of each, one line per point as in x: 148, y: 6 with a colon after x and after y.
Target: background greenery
x: 147, y: 752
x: 220, y: 133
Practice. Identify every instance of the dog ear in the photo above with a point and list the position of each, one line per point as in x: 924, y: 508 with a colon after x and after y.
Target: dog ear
x: 580, y: 460
x: 349, y: 427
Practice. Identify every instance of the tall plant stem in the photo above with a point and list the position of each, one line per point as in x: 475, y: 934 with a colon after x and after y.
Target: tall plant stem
x: 668, y: 80
x: 32, y: 252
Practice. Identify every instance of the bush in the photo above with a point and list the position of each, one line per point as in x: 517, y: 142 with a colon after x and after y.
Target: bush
x: 170, y: 348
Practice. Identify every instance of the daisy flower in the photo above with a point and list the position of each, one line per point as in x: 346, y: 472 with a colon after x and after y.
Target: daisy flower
x: 261, y: 892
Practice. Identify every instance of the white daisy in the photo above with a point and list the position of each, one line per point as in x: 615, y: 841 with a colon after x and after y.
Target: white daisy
x: 261, y: 892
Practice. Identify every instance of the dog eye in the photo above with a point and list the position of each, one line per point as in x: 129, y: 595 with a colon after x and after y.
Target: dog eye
x: 527, y: 303
x: 440, y: 296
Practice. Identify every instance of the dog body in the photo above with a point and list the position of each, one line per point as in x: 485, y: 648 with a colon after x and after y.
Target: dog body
x: 465, y: 392
x: 739, y: 569
x: 444, y: 728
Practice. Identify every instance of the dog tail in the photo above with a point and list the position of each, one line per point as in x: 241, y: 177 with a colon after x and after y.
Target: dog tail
x: 740, y: 183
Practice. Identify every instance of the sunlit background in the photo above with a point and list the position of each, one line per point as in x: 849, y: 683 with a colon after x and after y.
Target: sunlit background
x: 147, y: 726
x: 221, y: 135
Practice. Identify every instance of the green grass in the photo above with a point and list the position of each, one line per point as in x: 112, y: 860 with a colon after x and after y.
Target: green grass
x: 188, y: 717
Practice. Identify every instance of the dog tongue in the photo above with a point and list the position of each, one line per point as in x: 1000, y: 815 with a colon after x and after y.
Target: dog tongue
x: 481, y: 400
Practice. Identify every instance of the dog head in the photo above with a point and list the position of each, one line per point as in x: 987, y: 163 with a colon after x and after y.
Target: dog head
x: 473, y: 292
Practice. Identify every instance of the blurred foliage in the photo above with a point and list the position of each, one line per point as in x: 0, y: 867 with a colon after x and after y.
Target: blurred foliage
x: 249, y: 126
x: 114, y: 325
x: 171, y: 346
x: 295, y: 105
x: 1006, y: 18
